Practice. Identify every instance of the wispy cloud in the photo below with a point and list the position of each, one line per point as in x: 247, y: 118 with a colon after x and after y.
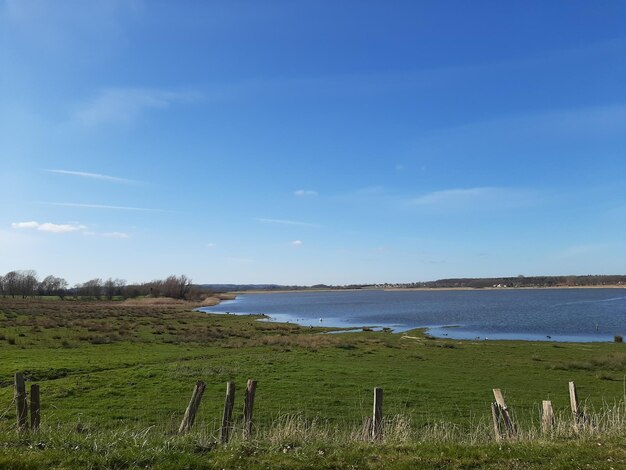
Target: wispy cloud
x: 125, y: 105
x: 115, y: 235
x: 488, y: 197
x: 297, y: 243
x: 48, y: 227
x: 211, y: 245
x: 305, y: 192
x: 98, y: 176
x: 102, y: 206
x: 284, y: 222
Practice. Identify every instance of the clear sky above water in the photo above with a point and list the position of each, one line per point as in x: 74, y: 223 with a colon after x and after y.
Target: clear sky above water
x: 305, y: 142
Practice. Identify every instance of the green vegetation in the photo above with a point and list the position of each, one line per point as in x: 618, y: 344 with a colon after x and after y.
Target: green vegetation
x: 116, y: 377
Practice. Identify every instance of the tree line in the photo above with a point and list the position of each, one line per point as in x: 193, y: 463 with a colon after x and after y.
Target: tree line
x: 27, y: 284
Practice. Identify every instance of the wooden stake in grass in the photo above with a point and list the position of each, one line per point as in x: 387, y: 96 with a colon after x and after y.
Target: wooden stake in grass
x: 497, y: 421
x: 504, y: 413
x: 192, y: 408
x: 228, y: 412
x: 248, y: 406
x: 35, y: 408
x: 547, y: 421
x: 377, y: 415
x: 20, y: 402
x: 573, y: 401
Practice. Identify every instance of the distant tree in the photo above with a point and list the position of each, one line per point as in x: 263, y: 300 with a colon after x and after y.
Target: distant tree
x: 176, y: 287
x: 113, y: 287
x: 28, y: 283
x: 11, y: 283
x: 91, y: 288
x: 52, y: 285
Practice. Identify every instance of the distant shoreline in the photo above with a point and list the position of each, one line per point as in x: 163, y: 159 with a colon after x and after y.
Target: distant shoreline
x: 426, y: 289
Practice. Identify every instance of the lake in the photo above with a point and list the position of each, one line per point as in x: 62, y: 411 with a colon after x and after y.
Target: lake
x: 523, y: 314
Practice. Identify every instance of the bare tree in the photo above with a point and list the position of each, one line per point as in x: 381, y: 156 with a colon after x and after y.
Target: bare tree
x: 176, y: 287
x: 91, y: 288
x: 28, y: 283
x: 11, y: 283
x: 52, y: 285
x: 113, y: 287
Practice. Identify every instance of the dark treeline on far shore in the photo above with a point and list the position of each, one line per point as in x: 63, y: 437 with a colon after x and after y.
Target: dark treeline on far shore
x: 530, y: 281
x: 26, y: 284
x: 476, y: 283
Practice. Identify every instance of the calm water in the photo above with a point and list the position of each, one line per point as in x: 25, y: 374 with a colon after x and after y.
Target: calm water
x: 528, y: 314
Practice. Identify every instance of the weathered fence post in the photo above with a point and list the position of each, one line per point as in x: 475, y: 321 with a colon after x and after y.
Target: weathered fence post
x: 35, y: 407
x: 228, y: 412
x: 547, y: 421
x: 248, y: 406
x: 504, y: 413
x: 20, y: 402
x: 573, y: 401
x: 497, y: 421
x: 377, y: 415
x: 192, y: 408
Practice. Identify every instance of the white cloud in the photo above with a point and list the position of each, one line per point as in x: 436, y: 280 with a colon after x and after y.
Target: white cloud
x: 115, y: 235
x: 32, y: 224
x: 305, y: 192
x: 125, y: 105
x: 48, y: 227
x: 97, y: 176
x: 297, y: 243
x: 211, y: 245
x: 284, y: 222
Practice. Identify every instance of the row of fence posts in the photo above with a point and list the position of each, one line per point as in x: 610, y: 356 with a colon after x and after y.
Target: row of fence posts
x: 503, y: 424
x: 505, y: 428
x: 374, y: 425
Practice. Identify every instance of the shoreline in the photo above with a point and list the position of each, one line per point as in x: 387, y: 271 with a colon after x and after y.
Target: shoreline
x: 425, y: 289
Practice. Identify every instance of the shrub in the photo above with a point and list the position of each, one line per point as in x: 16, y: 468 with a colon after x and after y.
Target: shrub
x: 618, y: 339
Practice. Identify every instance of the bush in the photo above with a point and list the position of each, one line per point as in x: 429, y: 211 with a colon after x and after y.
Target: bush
x: 618, y: 339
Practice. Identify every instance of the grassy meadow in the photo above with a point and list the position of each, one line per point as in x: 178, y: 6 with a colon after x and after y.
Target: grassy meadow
x: 116, y: 377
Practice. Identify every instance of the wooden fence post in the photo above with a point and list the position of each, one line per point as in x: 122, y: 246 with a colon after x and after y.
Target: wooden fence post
x: 504, y: 412
x: 573, y: 401
x: 377, y: 415
x: 35, y: 408
x: 192, y: 408
x: 497, y: 421
x: 248, y: 406
x: 547, y: 421
x: 20, y: 402
x: 228, y: 412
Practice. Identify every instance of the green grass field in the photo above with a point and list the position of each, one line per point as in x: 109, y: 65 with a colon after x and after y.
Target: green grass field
x: 115, y: 380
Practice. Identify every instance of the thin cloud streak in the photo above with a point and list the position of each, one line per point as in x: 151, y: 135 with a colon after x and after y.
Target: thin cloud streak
x: 115, y: 235
x: 284, y: 222
x: 305, y: 192
x: 490, y: 197
x: 98, y: 176
x: 48, y: 227
x: 102, y: 206
x: 125, y: 105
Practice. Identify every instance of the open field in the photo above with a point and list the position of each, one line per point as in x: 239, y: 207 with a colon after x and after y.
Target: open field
x: 116, y: 377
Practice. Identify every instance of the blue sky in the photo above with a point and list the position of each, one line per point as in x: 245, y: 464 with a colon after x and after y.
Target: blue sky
x: 304, y: 142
